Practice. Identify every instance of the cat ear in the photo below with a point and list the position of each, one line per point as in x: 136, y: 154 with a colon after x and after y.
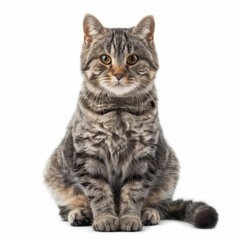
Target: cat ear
x: 145, y: 28
x: 91, y: 27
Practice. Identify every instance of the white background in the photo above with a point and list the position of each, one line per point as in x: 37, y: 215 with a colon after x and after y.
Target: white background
x: 198, y: 44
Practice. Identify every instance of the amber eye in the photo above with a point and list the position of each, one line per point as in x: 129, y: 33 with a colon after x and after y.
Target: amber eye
x: 132, y: 59
x: 105, y: 59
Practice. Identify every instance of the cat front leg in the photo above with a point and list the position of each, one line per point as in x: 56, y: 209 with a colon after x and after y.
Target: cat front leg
x: 94, y: 182
x: 134, y: 191
x: 101, y: 201
x: 132, y: 197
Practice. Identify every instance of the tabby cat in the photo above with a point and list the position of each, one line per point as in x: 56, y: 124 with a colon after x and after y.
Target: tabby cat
x: 113, y: 169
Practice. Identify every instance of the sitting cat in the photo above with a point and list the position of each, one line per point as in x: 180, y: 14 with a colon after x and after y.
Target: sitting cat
x: 113, y: 169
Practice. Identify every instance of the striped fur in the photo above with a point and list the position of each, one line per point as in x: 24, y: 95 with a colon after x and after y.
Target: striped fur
x: 114, y: 169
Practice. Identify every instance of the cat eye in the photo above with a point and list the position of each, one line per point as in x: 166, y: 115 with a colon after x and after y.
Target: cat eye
x: 132, y: 59
x: 105, y: 59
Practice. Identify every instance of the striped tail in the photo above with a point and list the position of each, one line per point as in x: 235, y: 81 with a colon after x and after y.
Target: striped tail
x: 199, y: 214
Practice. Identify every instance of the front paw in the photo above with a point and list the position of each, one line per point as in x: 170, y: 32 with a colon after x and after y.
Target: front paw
x: 106, y: 223
x: 129, y: 223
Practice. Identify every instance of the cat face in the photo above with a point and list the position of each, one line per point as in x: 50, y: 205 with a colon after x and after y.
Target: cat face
x: 120, y: 61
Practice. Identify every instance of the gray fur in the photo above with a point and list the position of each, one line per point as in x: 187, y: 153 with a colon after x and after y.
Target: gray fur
x: 114, y: 168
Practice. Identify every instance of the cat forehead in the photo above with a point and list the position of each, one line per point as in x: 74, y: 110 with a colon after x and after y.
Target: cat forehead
x: 120, y: 41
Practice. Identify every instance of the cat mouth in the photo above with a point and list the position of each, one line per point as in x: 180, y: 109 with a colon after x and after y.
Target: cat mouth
x: 119, y: 88
x: 118, y: 84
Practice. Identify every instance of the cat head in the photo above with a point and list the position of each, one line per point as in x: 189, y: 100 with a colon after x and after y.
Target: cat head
x: 120, y: 61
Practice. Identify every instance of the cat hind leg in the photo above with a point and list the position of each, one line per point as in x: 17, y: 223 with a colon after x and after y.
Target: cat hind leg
x: 150, y: 216
x: 73, y: 204
x: 75, y: 209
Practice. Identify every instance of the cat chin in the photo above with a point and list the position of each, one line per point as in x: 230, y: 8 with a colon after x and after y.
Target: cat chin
x: 119, y: 90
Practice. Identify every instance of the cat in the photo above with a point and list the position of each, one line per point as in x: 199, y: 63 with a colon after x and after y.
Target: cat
x: 113, y: 169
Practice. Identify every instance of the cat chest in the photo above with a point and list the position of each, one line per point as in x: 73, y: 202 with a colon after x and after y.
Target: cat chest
x: 115, y: 136
x: 122, y: 137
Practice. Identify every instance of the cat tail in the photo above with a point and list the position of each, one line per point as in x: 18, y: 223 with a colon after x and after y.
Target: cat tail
x: 199, y: 214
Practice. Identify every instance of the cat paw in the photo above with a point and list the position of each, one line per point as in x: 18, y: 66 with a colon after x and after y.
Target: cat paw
x: 106, y: 223
x: 130, y: 223
x: 80, y: 217
x: 150, y: 216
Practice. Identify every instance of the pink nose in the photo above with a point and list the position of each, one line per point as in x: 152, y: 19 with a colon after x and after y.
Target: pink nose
x: 118, y: 75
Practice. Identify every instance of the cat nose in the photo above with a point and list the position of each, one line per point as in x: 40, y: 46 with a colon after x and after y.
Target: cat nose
x: 118, y: 75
